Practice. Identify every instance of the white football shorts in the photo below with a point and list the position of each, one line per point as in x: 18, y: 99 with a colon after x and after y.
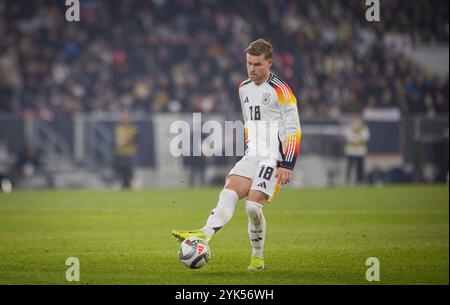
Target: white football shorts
x: 260, y: 170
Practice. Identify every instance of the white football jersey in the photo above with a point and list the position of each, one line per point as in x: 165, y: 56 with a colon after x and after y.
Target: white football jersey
x: 270, y: 115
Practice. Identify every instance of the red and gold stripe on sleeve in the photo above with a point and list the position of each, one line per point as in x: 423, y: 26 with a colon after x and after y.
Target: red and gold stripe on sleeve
x: 292, y: 147
x: 284, y: 93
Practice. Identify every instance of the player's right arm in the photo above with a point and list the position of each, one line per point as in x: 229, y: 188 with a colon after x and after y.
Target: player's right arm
x: 244, y: 114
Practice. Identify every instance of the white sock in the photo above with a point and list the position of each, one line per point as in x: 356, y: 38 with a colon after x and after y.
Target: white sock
x: 256, y: 227
x: 222, y: 213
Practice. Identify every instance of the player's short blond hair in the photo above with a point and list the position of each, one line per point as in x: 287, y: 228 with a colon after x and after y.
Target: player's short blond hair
x: 260, y: 47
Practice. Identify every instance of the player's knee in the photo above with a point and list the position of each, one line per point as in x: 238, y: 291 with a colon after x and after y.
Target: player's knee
x: 257, y: 196
x: 254, y: 210
x: 240, y: 189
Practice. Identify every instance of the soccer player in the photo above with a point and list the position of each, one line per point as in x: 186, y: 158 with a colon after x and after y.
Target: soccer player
x: 265, y: 98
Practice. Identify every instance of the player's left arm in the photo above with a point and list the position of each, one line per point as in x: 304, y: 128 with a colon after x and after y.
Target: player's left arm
x: 290, y: 117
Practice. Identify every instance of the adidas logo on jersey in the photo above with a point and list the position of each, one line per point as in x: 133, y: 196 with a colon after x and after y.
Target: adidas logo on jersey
x: 246, y: 100
x: 262, y: 184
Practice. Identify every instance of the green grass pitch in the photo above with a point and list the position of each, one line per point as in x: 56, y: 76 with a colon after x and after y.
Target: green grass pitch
x: 315, y: 236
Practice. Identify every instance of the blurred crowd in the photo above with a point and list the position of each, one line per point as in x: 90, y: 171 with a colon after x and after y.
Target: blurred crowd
x: 187, y: 55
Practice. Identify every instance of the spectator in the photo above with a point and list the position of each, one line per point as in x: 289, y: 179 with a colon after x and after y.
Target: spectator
x: 356, y: 137
x: 125, y: 134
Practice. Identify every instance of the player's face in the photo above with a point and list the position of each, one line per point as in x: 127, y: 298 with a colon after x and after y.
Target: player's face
x: 258, y: 68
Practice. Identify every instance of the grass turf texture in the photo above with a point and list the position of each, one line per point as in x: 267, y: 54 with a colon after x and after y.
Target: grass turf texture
x: 315, y: 236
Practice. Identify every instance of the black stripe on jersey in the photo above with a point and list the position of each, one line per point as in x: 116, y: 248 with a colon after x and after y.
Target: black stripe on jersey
x: 245, y: 82
x: 274, y: 78
x: 280, y: 148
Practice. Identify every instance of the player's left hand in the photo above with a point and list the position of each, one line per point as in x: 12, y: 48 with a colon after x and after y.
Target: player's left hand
x: 284, y: 175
